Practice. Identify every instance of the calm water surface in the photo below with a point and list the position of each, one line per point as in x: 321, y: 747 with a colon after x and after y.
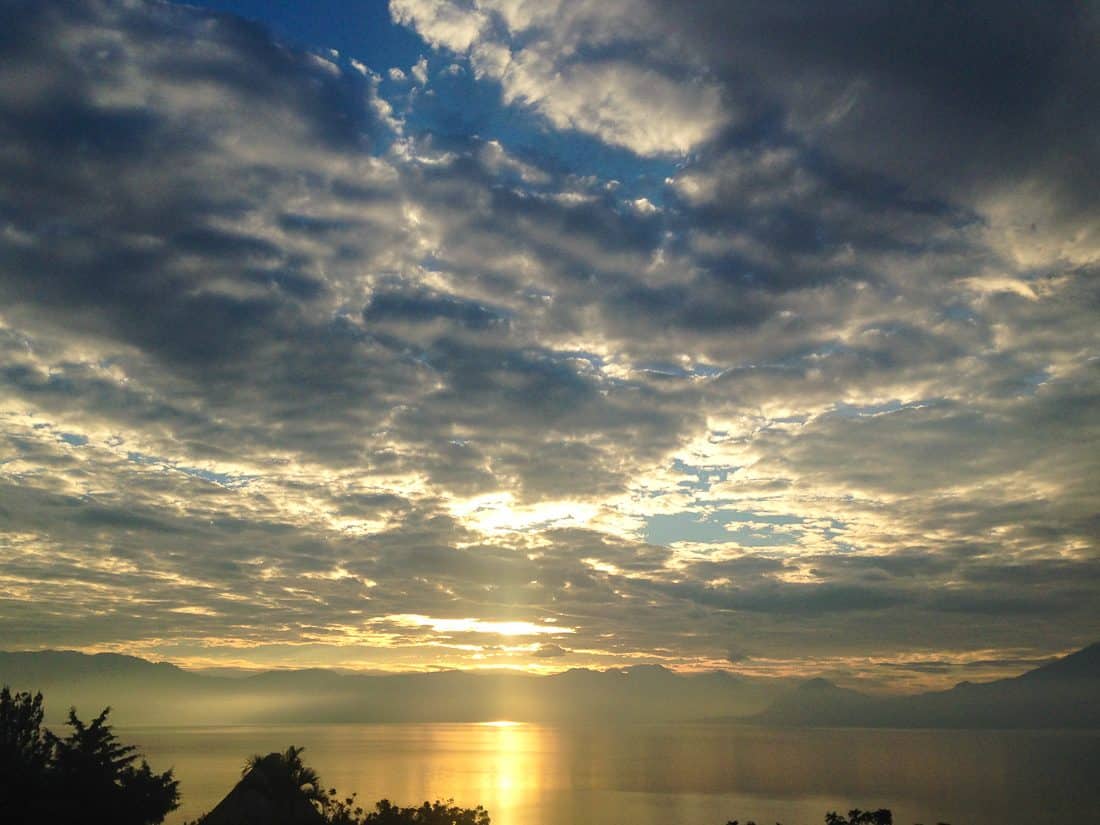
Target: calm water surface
x: 693, y: 774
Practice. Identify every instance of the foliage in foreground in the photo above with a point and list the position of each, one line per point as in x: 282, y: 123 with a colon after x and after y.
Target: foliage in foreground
x: 345, y: 812
x: 85, y: 776
x: 882, y: 816
x: 285, y: 779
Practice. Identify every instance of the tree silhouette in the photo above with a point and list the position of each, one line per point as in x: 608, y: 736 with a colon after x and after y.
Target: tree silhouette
x: 857, y: 817
x: 278, y: 785
x: 435, y: 813
x: 285, y: 778
x: 98, y: 774
x: 86, y: 776
x: 882, y: 816
x: 24, y: 755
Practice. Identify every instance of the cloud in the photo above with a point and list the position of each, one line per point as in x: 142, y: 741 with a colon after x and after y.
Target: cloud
x: 550, y: 652
x: 448, y: 24
x: 475, y: 626
x: 947, y: 102
x: 579, y: 67
x: 299, y: 361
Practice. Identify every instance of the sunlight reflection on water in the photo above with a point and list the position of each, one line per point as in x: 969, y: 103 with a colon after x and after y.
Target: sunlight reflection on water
x: 527, y: 774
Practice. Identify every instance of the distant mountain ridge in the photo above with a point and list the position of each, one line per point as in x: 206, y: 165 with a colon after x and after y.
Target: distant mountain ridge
x: 1064, y: 693
x: 53, y: 664
x: 1083, y: 664
x: 143, y: 692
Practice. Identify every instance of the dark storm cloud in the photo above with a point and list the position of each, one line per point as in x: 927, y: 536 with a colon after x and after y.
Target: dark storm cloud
x: 947, y: 97
x: 287, y: 362
x: 425, y: 307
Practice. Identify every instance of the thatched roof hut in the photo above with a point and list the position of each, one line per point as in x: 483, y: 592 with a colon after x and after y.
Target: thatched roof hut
x: 275, y: 791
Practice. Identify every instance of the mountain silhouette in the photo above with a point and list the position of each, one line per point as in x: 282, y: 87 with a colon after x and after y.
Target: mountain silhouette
x: 1064, y: 693
x: 1084, y: 664
x: 53, y: 665
x: 144, y: 692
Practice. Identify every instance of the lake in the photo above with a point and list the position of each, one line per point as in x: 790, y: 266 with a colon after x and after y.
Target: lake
x: 661, y: 774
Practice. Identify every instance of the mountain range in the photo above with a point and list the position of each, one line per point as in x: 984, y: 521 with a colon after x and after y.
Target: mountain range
x: 143, y: 692
x: 1062, y: 694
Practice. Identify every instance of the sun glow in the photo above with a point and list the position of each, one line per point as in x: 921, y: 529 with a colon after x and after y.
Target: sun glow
x: 509, y: 628
x: 501, y: 513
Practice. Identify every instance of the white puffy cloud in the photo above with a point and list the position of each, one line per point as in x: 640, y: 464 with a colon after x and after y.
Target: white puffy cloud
x: 450, y: 25
x: 548, y: 57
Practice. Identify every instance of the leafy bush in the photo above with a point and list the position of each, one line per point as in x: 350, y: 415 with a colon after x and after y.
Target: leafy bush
x: 436, y: 813
x: 346, y: 812
x: 857, y: 817
x: 882, y: 816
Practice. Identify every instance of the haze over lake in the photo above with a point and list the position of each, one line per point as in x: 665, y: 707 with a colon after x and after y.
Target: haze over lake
x: 701, y: 774
x: 638, y: 745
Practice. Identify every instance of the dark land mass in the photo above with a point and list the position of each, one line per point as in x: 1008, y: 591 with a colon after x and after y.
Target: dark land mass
x: 142, y: 692
x: 1062, y: 694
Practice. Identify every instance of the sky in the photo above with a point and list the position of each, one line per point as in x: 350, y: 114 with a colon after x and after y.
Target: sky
x: 759, y: 336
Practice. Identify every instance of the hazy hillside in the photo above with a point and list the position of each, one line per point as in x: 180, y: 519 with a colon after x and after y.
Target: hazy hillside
x: 142, y: 692
x: 1065, y: 693
x: 1062, y: 694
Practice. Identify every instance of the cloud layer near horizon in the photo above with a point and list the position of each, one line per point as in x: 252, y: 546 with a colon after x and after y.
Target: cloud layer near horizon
x: 601, y: 334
